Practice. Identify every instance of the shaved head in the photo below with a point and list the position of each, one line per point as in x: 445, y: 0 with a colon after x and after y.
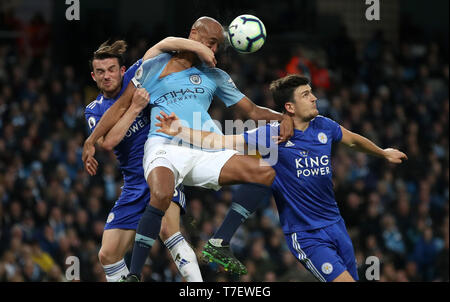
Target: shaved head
x: 208, y: 31
x: 207, y: 22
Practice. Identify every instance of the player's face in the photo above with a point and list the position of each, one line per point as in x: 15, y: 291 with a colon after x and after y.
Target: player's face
x: 305, y: 103
x: 211, y: 36
x: 108, y: 75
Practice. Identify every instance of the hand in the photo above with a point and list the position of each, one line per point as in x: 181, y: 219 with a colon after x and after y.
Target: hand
x: 90, y: 164
x: 169, y: 125
x: 286, y: 129
x: 206, y: 55
x: 394, y: 156
x: 140, y: 98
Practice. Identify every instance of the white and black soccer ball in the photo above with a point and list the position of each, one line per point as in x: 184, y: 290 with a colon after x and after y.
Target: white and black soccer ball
x: 247, y: 33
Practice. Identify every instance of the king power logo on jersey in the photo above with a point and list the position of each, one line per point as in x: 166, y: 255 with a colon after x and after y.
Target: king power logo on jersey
x: 140, y: 122
x: 312, y: 166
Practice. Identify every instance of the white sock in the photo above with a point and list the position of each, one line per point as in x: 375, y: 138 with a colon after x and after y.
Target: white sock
x: 115, y: 271
x: 184, y: 257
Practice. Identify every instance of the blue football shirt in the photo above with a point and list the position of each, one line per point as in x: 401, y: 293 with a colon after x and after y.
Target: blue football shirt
x: 303, y: 188
x: 130, y: 150
x: 187, y: 93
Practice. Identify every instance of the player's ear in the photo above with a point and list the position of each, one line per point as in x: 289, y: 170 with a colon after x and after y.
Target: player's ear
x: 93, y: 76
x: 122, y: 70
x: 289, y: 107
x: 193, y: 34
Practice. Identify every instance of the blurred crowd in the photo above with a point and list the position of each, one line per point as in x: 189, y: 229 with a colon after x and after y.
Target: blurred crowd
x: 396, y: 95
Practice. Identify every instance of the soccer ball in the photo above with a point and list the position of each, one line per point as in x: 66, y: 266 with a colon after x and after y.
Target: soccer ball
x: 246, y: 33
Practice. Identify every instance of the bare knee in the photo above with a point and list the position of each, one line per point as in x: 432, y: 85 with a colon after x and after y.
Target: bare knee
x: 160, y: 182
x: 167, y: 230
x: 161, y: 198
x: 107, y: 256
x: 164, y: 232
x: 170, y: 223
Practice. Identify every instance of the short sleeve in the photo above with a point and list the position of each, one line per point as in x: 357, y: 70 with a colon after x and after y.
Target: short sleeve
x: 148, y: 70
x: 336, y: 130
x: 92, y: 117
x: 226, y: 90
x: 129, y: 74
x: 333, y: 128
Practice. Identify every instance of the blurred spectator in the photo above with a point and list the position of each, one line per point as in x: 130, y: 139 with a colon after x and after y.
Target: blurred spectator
x: 425, y: 254
x: 41, y: 258
x: 393, y: 239
x: 261, y: 258
x: 442, y: 265
x: 38, y: 36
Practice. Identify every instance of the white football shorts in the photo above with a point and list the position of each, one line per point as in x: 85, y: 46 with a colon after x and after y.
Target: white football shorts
x: 192, y: 167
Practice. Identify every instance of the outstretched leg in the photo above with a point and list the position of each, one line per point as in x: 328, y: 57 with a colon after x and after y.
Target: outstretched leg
x: 246, y: 169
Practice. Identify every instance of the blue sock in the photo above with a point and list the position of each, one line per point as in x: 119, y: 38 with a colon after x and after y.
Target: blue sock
x: 246, y: 200
x: 146, y: 234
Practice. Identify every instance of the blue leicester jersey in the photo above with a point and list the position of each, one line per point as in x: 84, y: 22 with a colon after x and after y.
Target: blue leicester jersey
x: 187, y: 93
x: 303, y: 188
x: 130, y: 150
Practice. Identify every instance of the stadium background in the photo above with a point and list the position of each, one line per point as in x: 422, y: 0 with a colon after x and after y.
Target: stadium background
x: 387, y: 80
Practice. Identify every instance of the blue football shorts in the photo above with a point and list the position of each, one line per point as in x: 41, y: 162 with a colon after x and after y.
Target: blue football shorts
x: 130, y: 206
x: 326, y: 252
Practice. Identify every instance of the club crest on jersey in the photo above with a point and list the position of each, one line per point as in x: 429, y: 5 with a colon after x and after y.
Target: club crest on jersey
x: 322, y: 137
x: 327, y: 268
x: 91, y: 122
x: 195, y: 79
x: 138, y: 73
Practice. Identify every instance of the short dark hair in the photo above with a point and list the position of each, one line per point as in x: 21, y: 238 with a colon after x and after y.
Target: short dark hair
x: 283, y: 89
x: 105, y: 51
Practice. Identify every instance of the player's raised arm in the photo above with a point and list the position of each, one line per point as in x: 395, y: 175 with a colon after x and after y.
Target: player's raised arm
x: 363, y: 144
x: 169, y: 44
x: 172, y: 126
x: 230, y: 95
x: 108, y: 120
x: 117, y: 133
x: 258, y: 113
